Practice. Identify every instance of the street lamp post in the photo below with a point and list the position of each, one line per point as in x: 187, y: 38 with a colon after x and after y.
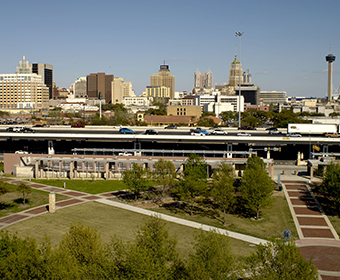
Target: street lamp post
x: 239, y: 34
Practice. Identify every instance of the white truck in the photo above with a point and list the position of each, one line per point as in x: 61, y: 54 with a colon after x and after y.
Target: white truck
x: 312, y: 128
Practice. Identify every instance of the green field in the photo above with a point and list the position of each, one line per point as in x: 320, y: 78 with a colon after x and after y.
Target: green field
x: 12, y: 202
x: 87, y: 186
x: 109, y: 221
x: 273, y: 220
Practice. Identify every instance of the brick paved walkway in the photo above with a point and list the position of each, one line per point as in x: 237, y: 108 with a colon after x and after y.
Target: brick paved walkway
x: 318, y: 239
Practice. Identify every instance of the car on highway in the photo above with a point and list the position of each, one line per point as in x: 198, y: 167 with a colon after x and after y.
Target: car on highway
x: 151, y: 132
x: 171, y: 126
x: 219, y: 131
x: 78, y: 125
x: 15, y: 129
x: 125, y: 130
x: 332, y: 135
x: 274, y: 131
x: 27, y: 130
x: 21, y: 152
x: 243, y: 134
x: 293, y: 135
x: 126, y: 154
x: 200, y: 132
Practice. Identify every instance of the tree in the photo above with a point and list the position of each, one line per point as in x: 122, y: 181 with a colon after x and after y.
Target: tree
x: 212, y: 258
x: 256, y: 186
x: 19, y: 258
x: 280, y: 260
x: 330, y: 187
x: 152, y: 255
x: 136, y: 178
x: 85, y: 246
x: 164, y: 173
x: 195, y: 176
x: 3, y: 188
x: 208, y: 122
x: 25, y: 190
x: 223, y: 190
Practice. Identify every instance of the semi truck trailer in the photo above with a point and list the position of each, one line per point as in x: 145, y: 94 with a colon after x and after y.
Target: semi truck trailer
x: 312, y: 128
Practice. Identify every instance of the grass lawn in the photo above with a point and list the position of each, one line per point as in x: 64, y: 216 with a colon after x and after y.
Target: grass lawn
x: 87, y: 186
x: 274, y: 220
x: 335, y: 220
x: 109, y: 221
x: 12, y: 202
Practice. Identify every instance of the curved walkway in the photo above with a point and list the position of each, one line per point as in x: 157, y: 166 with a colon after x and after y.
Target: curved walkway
x: 79, y: 197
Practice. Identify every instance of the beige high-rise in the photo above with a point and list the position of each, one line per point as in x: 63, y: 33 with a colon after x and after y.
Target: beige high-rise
x: 235, y: 71
x: 120, y: 89
x: 164, y: 78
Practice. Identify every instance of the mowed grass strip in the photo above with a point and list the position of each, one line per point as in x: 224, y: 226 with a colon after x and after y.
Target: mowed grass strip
x: 86, y: 186
x: 109, y: 221
x: 12, y: 202
x: 273, y: 220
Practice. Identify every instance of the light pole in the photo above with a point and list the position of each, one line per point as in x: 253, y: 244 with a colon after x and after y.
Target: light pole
x: 239, y: 34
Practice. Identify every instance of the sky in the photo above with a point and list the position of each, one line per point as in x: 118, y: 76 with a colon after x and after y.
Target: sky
x: 284, y: 43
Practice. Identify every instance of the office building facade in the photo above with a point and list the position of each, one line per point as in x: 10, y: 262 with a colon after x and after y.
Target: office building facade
x: 99, y: 83
x: 235, y: 73
x: 203, y: 80
x: 46, y: 72
x: 164, y: 79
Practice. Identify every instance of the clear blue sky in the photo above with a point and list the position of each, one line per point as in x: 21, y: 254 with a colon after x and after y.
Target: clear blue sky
x: 284, y: 42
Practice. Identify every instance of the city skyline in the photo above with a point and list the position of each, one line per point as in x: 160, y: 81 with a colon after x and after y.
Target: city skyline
x: 284, y: 44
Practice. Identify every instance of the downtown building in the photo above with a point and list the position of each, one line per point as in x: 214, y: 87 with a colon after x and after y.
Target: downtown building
x: 99, y: 83
x: 23, y: 90
x: 164, y: 79
x: 203, y: 80
x: 120, y: 90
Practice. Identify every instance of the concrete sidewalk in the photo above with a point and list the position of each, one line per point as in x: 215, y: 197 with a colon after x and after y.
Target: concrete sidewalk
x: 239, y: 236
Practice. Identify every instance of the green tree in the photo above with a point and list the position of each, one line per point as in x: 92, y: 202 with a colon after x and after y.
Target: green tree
x: 194, y: 182
x: 285, y: 117
x: 3, y: 188
x: 25, y: 190
x: 19, y: 258
x: 207, y: 122
x: 152, y: 255
x: 85, y: 246
x: 278, y: 260
x: 256, y: 186
x: 206, y: 114
x: 330, y: 187
x: 164, y: 173
x: 136, y: 178
x: 212, y: 258
x: 223, y: 190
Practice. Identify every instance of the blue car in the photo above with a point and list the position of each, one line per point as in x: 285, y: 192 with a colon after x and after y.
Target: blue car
x: 126, y: 130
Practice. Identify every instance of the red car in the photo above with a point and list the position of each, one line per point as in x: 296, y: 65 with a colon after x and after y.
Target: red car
x: 77, y: 125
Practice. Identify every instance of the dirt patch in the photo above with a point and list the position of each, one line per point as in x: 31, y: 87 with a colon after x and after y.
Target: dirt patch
x: 307, y: 221
x: 307, y: 211
x: 296, y: 187
x: 68, y: 202
x: 324, y: 257
x: 12, y: 218
x: 316, y: 232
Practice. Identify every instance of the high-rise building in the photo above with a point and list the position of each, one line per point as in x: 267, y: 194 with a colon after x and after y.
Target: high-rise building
x: 203, y: 80
x: 235, y: 77
x: 99, y: 83
x: 164, y: 78
x: 79, y: 88
x: 120, y: 89
x: 330, y: 59
x: 246, y: 77
x: 46, y: 72
x: 23, y: 90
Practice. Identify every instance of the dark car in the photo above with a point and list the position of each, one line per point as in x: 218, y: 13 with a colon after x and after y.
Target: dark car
x: 78, y: 125
x: 9, y: 129
x: 171, y: 126
x: 125, y: 130
x: 28, y: 130
x: 151, y: 132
